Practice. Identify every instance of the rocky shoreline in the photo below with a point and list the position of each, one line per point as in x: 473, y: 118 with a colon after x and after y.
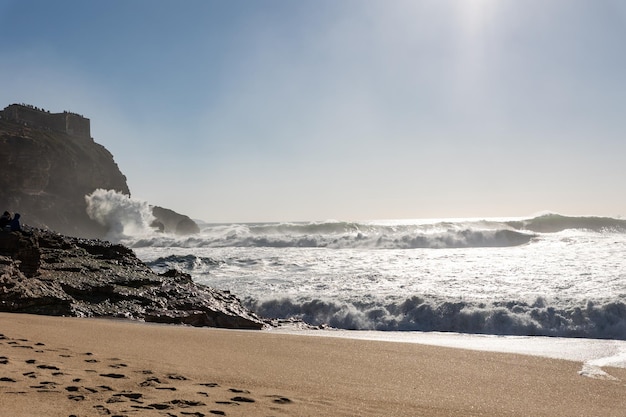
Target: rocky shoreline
x: 43, y: 272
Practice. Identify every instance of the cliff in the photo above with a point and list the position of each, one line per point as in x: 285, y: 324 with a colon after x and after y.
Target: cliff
x: 46, y: 173
x: 43, y: 272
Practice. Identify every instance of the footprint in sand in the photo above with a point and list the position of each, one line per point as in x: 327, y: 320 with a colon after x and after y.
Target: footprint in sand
x: 150, y: 382
x: 226, y: 403
x: 109, y: 401
x: 114, y: 376
x: 210, y: 384
x: 279, y: 399
x: 102, y: 409
x: 118, y: 365
x: 49, y: 367
x: 176, y: 404
x: 242, y: 400
x: 76, y: 397
x: 130, y: 395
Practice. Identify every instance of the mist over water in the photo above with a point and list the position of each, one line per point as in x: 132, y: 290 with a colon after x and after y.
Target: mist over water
x: 550, y: 275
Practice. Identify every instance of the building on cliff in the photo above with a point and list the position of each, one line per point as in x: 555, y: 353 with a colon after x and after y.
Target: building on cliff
x: 66, y: 122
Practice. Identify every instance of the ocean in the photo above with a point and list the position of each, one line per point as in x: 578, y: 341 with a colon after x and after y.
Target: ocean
x: 549, y: 276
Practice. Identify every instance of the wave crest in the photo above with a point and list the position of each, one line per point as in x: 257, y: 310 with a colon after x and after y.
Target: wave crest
x: 374, y: 235
x: 552, y: 223
x: 602, y: 321
x: 340, y: 236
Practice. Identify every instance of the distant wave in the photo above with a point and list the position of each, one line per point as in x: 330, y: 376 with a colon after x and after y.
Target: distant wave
x: 341, y: 235
x: 598, y: 321
x: 381, y: 235
x: 551, y: 223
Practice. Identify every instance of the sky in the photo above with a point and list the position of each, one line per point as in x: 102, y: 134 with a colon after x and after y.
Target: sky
x: 282, y: 110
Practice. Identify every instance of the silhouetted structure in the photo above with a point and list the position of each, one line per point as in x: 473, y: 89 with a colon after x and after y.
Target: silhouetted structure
x: 30, y: 116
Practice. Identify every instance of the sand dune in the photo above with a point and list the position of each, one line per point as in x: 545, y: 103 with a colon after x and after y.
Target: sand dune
x: 88, y: 367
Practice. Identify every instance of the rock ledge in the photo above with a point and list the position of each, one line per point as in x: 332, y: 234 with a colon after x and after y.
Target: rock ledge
x: 43, y: 272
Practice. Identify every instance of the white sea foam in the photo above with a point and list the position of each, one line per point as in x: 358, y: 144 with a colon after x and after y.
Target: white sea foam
x: 124, y: 216
x: 551, y: 275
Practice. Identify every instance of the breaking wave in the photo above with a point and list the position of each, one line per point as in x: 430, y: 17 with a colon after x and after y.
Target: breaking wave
x: 590, y: 320
x: 129, y: 220
x: 551, y: 223
x: 383, y: 235
x: 123, y: 216
x: 338, y: 235
x: 599, y: 319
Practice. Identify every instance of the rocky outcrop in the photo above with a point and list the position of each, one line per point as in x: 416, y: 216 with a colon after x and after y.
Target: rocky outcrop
x: 43, y: 272
x: 45, y: 175
x: 171, y: 222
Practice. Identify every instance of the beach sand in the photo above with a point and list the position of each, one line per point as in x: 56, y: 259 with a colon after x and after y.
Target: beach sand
x: 52, y: 366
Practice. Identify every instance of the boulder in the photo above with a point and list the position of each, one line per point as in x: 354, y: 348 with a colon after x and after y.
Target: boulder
x: 171, y: 222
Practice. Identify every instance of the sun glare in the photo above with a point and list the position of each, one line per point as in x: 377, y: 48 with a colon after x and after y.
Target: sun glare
x: 475, y: 14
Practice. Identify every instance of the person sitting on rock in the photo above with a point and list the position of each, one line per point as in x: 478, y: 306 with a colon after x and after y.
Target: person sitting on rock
x: 5, y: 220
x: 15, y: 223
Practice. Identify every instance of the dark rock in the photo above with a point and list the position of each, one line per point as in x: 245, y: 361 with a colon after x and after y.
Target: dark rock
x: 171, y: 222
x: 45, y: 175
x: 43, y: 272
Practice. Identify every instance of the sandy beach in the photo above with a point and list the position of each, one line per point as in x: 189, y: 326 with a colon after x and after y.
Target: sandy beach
x: 87, y: 367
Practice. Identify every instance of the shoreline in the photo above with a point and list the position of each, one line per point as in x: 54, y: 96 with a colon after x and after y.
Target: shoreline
x: 159, y: 369
x: 592, y: 354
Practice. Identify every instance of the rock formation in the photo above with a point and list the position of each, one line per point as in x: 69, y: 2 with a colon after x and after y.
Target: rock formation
x: 46, y: 171
x: 171, y: 222
x: 45, y: 176
x: 43, y: 272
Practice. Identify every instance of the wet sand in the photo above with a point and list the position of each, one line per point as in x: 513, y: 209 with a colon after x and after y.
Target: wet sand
x: 88, y: 367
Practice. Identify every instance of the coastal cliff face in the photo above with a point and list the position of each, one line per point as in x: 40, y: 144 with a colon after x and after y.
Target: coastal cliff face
x: 46, y: 273
x: 45, y: 175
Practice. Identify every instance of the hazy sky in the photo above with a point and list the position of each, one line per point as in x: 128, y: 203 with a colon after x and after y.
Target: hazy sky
x: 338, y: 109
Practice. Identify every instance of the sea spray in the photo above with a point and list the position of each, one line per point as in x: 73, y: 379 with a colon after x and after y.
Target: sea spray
x: 122, y: 215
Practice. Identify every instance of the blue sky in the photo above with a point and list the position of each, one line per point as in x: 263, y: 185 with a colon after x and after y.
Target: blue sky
x: 338, y: 109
